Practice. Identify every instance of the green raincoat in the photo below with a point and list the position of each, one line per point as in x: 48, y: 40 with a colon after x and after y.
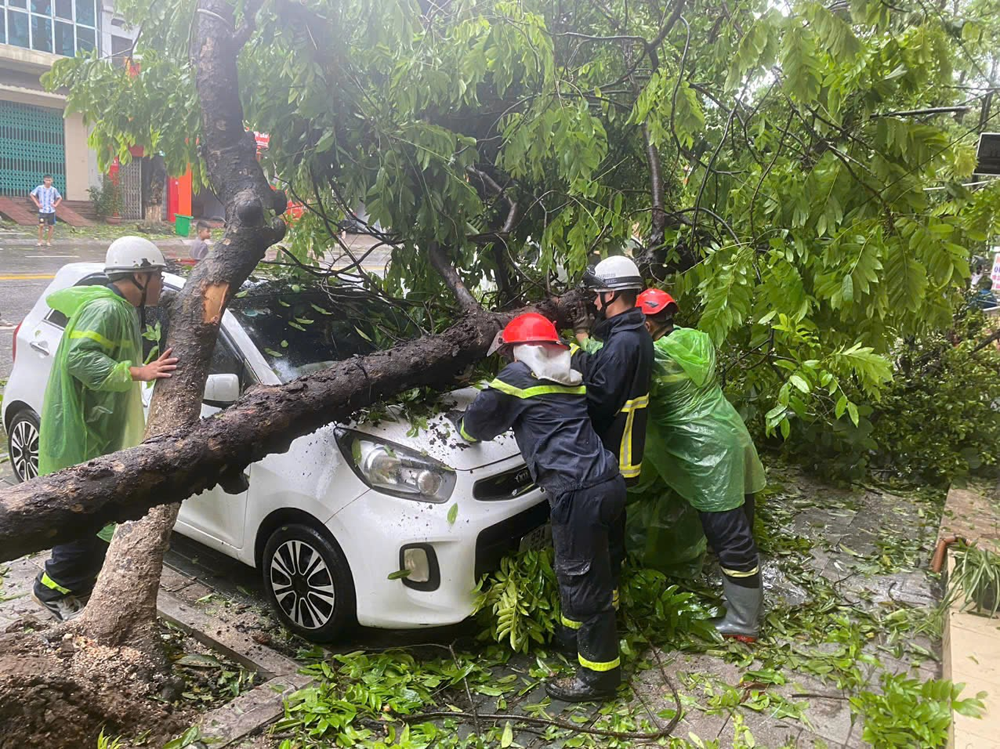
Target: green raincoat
x: 92, y: 406
x: 661, y: 528
x: 697, y: 441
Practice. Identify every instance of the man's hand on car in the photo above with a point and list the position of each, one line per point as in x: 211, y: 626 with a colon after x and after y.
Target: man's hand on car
x: 156, y: 369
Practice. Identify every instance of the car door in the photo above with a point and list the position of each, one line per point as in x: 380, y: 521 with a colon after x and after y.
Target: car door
x: 216, y: 517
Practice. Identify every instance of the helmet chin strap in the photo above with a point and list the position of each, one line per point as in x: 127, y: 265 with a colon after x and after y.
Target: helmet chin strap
x: 605, y: 303
x: 142, y: 301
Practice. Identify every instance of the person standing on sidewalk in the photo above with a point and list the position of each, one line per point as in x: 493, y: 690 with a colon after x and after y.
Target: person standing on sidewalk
x: 46, y: 198
x: 203, y: 241
x: 93, y: 402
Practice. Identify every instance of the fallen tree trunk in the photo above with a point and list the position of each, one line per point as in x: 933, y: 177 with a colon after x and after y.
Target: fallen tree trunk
x: 171, y: 467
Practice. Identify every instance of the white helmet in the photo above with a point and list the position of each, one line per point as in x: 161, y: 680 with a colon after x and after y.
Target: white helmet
x: 616, y: 273
x: 133, y: 254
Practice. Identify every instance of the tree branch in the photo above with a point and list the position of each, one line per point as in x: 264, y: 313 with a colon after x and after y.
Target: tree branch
x: 451, y: 278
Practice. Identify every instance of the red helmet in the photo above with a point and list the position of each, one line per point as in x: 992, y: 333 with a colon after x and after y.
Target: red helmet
x: 655, y: 301
x: 529, y: 328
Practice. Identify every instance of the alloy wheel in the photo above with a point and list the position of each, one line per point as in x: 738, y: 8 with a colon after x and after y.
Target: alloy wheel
x: 302, y: 584
x: 24, y: 449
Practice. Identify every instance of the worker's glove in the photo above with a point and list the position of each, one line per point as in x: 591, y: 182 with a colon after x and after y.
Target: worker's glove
x: 583, y: 320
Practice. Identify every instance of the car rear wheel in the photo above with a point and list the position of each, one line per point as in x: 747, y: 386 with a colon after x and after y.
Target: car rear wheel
x: 308, y: 582
x: 22, y: 444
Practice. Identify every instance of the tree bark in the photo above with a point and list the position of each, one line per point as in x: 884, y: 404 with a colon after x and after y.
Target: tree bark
x: 123, y: 606
x: 170, y: 467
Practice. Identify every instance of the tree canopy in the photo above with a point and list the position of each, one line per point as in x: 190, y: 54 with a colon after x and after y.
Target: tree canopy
x: 786, y: 171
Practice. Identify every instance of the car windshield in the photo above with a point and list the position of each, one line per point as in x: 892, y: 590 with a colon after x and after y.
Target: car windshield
x: 301, y: 329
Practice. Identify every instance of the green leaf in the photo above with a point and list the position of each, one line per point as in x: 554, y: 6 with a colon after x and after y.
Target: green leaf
x: 453, y: 514
x: 508, y: 736
x: 847, y: 289
x: 799, y: 382
x: 399, y: 574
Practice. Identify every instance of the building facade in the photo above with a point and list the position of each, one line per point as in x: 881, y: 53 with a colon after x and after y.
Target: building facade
x: 35, y: 136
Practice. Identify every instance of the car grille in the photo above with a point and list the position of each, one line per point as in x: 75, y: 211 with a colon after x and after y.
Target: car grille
x: 495, y: 542
x: 507, y: 485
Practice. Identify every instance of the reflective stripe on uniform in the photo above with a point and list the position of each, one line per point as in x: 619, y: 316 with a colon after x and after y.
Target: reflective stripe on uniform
x: 599, y: 665
x: 738, y: 573
x: 48, y: 582
x: 465, y: 435
x: 625, y: 466
x: 93, y: 336
x: 641, y: 402
x: 503, y: 387
x: 566, y: 622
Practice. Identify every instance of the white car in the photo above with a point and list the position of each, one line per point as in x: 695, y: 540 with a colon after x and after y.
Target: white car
x: 331, y: 520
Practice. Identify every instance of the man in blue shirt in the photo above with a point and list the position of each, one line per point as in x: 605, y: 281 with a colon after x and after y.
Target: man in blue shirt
x: 46, y: 198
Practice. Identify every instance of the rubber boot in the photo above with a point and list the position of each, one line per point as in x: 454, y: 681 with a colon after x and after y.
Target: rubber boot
x: 564, y: 640
x: 743, y: 606
x: 586, y: 686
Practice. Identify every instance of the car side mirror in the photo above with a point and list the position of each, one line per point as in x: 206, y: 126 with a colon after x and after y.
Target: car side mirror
x: 221, y: 390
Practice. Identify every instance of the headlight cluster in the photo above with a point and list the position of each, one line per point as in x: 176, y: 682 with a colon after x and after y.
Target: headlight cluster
x: 396, y: 470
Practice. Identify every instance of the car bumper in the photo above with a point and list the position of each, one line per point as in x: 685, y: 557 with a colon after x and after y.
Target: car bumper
x: 481, y: 534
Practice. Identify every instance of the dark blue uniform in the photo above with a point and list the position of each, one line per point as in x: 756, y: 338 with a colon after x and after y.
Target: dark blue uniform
x: 586, y: 495
x: 617, y: 379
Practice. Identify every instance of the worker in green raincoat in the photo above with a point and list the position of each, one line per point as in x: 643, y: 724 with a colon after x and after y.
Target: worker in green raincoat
x: 702, y: 450
x: 93, y: 403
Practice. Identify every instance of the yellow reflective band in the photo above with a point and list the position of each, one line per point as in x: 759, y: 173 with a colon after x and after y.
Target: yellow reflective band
x: 625, y: 466
x: 503, y: 387
x: 630, y: 472
x: 625, y: 451
x: 570, y: 623
x: 48, y: 582
x: 96, y: 337
x: 630, y: 405
x: 599, y: 665
x: 573, y: 348
x: 614, y: 599
x: 737, y: 573
x: 465, y: 435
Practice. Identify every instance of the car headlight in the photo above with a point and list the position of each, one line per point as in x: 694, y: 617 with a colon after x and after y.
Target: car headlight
x: 396, y: 470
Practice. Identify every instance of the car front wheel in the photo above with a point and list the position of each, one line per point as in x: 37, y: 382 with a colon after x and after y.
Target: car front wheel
x: 308, y: 582
x: 22, y: 445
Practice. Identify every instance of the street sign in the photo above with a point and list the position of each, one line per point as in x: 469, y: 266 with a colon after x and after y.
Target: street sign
x: 988, y: 154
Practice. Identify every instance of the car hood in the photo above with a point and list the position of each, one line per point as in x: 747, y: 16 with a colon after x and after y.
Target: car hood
x: 440, y: 440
